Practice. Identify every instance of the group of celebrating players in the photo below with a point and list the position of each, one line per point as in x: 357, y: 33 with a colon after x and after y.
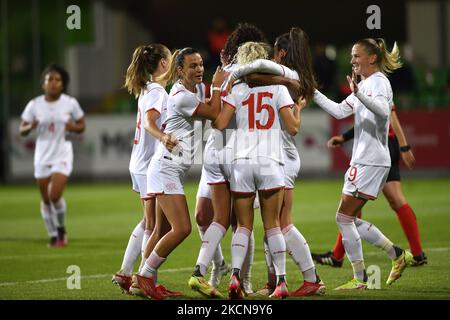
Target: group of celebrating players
x: 250, y: 160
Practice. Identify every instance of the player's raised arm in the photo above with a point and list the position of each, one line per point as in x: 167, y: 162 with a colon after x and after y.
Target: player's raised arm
x: 337, y: 110
x: 211, y: 110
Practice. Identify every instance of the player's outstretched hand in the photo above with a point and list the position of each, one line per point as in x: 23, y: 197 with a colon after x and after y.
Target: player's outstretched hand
x: 219, y: 77
x: 352, y: 82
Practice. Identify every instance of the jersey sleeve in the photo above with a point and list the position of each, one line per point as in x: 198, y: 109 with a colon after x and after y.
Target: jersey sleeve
x: 28, y: 114
x: 289, y: 73
x: 350, y: 101
x: 263, y: 66
x: 154, y: 100
x: 380, y: 87
x: 230, y: 99
x: 187, y: 104
x: 77, y: 113
x: 337, y: 110
x: 283, y: 98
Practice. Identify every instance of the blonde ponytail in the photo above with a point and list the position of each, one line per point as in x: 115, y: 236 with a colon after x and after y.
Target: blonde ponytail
x: 143, y: 64
x: 171, y: 75
x: 390, y: 61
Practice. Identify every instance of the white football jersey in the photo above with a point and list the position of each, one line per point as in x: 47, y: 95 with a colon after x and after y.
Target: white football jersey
x: 257, y: 118
x: 181, y: 122
x: 271, y: 67
x: 51, y: 144
x: 218, y: 139
x: 288, y: 140
x: 370, y: 146
x: 154, y: 97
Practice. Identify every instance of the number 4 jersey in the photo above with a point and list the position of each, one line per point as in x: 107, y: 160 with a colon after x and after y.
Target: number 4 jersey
x: 259, y: 129
x: 51, y: 144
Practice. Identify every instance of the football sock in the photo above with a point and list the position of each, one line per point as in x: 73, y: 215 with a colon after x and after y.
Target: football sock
x: 298, y: 249
x: 338, y: 249
x: 145, y: 238
x: 352, y: 243
x: 239, y: 247
x: 269, y: 262
x: 46, y: 214
x: 133, y: 249
x: 59, y: 208
x: 374, y: 236
x: 248, y: 261
x: 277, y: 247
x: 151, y: 266
x: 408, y: 222
x: 210, y: 241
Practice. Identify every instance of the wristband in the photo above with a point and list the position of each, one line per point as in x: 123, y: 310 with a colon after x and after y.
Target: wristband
x: 405, y: 148
x: 216, y: 89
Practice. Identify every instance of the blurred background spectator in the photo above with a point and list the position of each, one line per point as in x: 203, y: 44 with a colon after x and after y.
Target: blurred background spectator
x: 217, y: 36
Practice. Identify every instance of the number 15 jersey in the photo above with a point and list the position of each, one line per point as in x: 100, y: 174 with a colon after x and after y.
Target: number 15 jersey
x: 259, y: 131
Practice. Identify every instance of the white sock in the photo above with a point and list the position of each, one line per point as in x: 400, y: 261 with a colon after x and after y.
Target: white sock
x: 151, y: 266
x: 359, y: 270
x: 352, y: 243
x: 239, y: 247
x: 211, y: 240
x: 374, y: 236
x: 133, y: 249
x: 218, y: 255
x: 247, y: 265
x: 267, y: 255
x: 145, y: 238
x: 201, y: 231
x: 298, y: 249
x: 277, y: 247
x: 46, y: 213
x: 59, y: 208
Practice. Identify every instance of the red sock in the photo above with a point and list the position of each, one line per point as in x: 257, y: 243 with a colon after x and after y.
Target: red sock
x: 409, y: 225
x: 339, y: 250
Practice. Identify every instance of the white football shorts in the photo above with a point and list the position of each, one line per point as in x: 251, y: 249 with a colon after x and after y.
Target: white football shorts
x: 363, y: 181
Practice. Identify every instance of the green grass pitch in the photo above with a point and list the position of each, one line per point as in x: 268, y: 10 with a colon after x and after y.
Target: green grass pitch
x: 101, y: 217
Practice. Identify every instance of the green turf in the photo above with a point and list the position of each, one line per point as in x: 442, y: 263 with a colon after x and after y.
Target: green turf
x: 101, y: 217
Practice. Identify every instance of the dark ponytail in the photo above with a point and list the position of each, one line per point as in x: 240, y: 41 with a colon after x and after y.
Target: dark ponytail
x: 298, y: 57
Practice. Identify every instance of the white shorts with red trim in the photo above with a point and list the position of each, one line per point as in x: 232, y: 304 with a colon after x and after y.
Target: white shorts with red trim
x: 164, y: 177
x: 291, y: 167
x: 251, y: 175
x: 365, y: 182
x: 140, y: 185
x: 203, y: 188
x: 46, y: 170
